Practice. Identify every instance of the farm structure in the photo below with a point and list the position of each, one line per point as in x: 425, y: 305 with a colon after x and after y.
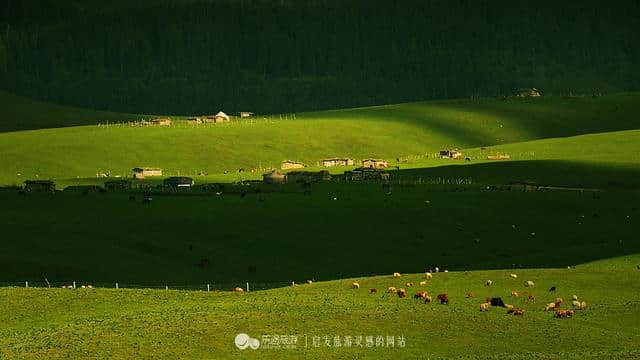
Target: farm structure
x: 117, y: 185
x: 289, y: 164
x: 366, y: 174
x: 161, y: 122
x: 338, y: 162
x: 450, y: 154
x: 141, y: 173
x: 375, y: 163
x: 528, y: 92
x: 274, y: 177
x: 39, y: 186
x: 307, y: 176
x: 178, y: 182
x: 217, y: 118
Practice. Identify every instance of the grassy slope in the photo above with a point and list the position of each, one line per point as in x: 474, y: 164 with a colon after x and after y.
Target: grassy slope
x: 387, y: 132
x: 56, y: 323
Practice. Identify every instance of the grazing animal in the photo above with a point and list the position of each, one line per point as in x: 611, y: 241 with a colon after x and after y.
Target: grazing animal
x: 531, y: 298
x: 238, y: 290
x: 529, y: 283
x: 471, y: 294
x: 402, y: 293
x: 467, y: 159
x: 444, y: 298
x: 309, y: 282
x: 485, y: 307
x: 408, y: 284
x: 391, y: 289
x: 583, y: 305
x: 420, y: 295
x: 516, y: 312
x: 550, y: 306
x: 514, y: 293
x: 559, y: 302
x: 553, y: 288
x: 423, y: 282
x: 355, y: 285
x: 508, y: 306
x: 574, y: 297
x: 428, y: 299
x: 396, y: 274
x: 564, y: 313
x: 576, y: 303
x: 428, y: 275
x: 513, y: 276
x: 373, y: 291
x: 488, y: 283
x: 496, y: 301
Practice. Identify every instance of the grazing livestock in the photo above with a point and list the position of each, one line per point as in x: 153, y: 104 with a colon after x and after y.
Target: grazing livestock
x: 471, y: 294
x: 513, y: 276
x: 553, y: 288
x: 516, y: 312
x: 550, y: 306
x: 485, y: 307
x: 391, y: 290
x: 408, y: 284
x: 559, y: 302
x: 488, y: 283
x: 396, y: 274
x: 420, y: 295
x: 309, y: 282
x: 402, y: 293
x: 238, y: 290
x: 444, y: 298
x: 428, y: 275
x: 423, y: 282
x: 576, y: 303
x: 355, y: 285
x: 531, y: 298
x: 428, y: 299
x: 564, y: 313
x: 514, y: 293
x: 583, y: 306
x: 529, y: 283
x: 373, y: 291
x: 496, y: 301
x: 574, y: 297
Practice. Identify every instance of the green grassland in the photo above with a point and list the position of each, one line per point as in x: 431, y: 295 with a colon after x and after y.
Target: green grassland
x: 435, y: 212
x: 64, y: 323
x: 390, y: 132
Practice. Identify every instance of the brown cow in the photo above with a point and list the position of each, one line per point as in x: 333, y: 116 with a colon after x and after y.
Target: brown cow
x: 373, y: 291
x: 516, y: 312
x: 514, y: 293
x: 420, y: 295
x: 402, y: 293
x: 238, y: 290
x: 428, y: 299
x: 444, y: 298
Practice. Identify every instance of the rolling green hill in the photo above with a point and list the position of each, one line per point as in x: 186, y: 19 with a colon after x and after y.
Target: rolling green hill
x: 64, y: 323
x: 390, y: 132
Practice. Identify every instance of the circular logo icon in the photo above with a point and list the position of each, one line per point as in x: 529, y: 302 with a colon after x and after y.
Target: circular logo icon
x: 242, y: 341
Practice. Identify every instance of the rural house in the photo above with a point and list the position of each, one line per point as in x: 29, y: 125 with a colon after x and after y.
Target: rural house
x: 337, y: 162
x: 374, y: 163
x: 141, y: 173
x: 178, y: 182
x: 217, y: 118
x: 528, y: 92
x: 39, y: 186
x: 289, y: 164
x: 366, y: 174
x: 114, y: 185
x: 274, y: 177
x: 450, y: 154
x: 161, y: 122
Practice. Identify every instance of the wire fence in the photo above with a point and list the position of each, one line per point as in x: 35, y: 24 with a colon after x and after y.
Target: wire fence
x: 212, y: 286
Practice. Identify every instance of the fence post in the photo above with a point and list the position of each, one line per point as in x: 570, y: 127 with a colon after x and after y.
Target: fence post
x: 293, y: 283
x: 116, y: 285
x: 208, y: 288
x: 166, y: 287
x: 247, y: 286
x: 74, y: 284
x: 26, y: 284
